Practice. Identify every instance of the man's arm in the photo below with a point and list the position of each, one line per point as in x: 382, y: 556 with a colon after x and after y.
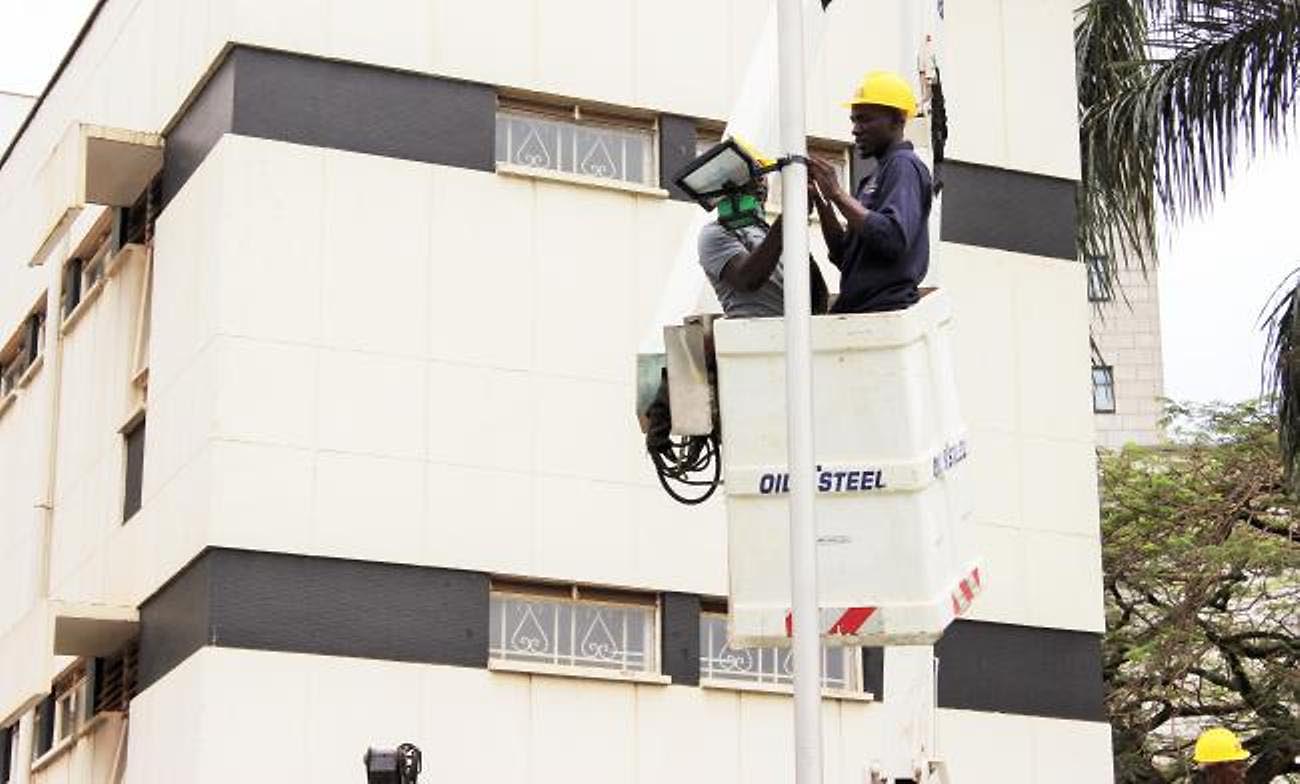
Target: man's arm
x: 832, y: 231
x: 749, y: 271
x: 828, y: 183
x: 902, y: 195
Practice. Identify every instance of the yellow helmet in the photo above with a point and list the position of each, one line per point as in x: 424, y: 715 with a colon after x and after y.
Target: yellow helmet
x: 885, y: 88
x: 1218, y: 745
x: 759, y: 157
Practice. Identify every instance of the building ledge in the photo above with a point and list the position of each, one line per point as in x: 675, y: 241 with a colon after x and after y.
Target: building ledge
x: 783, y: 689
x: 529, y: 172
x: 92, y: 629
x: 589, y: 673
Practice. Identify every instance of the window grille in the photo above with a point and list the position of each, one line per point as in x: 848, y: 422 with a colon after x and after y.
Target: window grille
x: 582, y: 629
x: 606, y: 148
x: 719, y: 662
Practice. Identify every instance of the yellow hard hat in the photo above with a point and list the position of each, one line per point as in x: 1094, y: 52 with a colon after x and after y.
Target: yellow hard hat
x: 885, y: 88
x: 1218, y: 745
x: 759, y: 157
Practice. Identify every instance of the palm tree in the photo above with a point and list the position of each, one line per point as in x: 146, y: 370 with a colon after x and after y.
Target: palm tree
x: 1174, y: 95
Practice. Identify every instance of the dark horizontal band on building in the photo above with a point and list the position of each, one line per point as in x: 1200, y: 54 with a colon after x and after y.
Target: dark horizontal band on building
x: 379, y: 111
x: 373, y: 610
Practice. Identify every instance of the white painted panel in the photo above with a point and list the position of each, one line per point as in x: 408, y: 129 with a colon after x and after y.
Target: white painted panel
x: 585, y: 530
x: 981, y: 284
x: 463, y: 707
x: 268, y: 255
x: 1051, y: 503
x: 374, y: 264
x: 247, y: 697
x: 678, y: 61
x: 460, y: 30
x: 1004, y: 596
x: 585, y: 283
x: 586, y: 428
x: 1064, y: 581
x: 766, y: 748
x: 974, y: 82
x: 371, y: 404
x: 602, y: 714
x: 350, y: 708
x: 266, y: 392
x: 603, y: 32
x: 997, y: 477
x: 184, y: 282
x: 261, y: 496
x: 992, y: 747
x: 481, y: 417
x: 480, y: 519
x: 1042, y: 115
x: 393, y: 32
x: 1053, y: 376
x: 482, y: 274
x: 1072, y: 752
x: 366, y: 507
x: 682, y: 548
x: 695, y: 735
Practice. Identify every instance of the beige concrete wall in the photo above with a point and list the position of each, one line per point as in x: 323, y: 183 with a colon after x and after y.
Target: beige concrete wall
x: 1127, y: 333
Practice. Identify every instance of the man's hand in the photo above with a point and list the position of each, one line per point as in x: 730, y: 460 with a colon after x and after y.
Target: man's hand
x: 823, y: 174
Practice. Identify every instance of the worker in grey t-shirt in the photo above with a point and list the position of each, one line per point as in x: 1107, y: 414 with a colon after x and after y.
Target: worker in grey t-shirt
x: 744, y: 266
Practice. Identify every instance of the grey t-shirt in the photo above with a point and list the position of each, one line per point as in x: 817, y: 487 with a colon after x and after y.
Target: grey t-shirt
x: 717, y: 247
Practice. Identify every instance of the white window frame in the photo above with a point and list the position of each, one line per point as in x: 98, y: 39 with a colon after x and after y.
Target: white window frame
x: 1096, y: 291
x: 555, y: 650
x: 748, y: 668
x: 1107, y: 382
x: 575, y: 117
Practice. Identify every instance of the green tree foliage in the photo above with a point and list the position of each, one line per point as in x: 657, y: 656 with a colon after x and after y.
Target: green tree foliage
x: 1201, y: 550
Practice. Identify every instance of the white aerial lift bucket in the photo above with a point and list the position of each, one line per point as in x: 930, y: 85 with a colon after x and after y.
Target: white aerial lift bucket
x: 896, y: 559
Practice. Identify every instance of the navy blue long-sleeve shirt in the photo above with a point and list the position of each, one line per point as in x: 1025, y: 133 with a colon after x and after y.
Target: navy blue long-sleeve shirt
x: 882, y: 266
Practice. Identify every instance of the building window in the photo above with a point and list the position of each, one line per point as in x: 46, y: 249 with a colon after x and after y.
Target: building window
x: 1103, y: 389
x: 70, y: 705
x: 115, y: 679
x: 8, y: 752
x: 43, y: 725
x: 22, y: 350
x: 573, y: 627
x: 133, y: 434
x: 71, y: 285
x: 1098, y: 288
x: 720, y: 663
x: 570, y: 141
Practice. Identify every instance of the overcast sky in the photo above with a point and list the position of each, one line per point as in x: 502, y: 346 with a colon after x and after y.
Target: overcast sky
x: 1215, y: 276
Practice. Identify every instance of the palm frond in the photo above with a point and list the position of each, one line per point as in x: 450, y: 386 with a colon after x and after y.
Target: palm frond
x: 1174, y: 95
x: 1281, y: 371
x: 1116, y: 200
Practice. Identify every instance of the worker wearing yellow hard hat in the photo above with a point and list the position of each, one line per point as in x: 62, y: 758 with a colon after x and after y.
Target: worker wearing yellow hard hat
x: 761, y: 158
x: 879, y: 234
x: 1220, y: 756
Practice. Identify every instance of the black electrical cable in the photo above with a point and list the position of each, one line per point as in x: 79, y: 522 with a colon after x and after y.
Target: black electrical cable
x: 676, y: 461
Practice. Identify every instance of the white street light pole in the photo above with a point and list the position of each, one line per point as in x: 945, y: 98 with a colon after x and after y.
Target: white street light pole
x: 799, y: 400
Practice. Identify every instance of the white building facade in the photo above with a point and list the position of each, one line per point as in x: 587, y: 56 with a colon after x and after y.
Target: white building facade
x: 319, y: 324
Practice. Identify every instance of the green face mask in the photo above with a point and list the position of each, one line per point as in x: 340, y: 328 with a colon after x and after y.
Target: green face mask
x: 739, y: 210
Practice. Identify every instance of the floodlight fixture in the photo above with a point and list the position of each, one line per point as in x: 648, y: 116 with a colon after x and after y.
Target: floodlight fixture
x: 723, y: 169
x: 392, y: 766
